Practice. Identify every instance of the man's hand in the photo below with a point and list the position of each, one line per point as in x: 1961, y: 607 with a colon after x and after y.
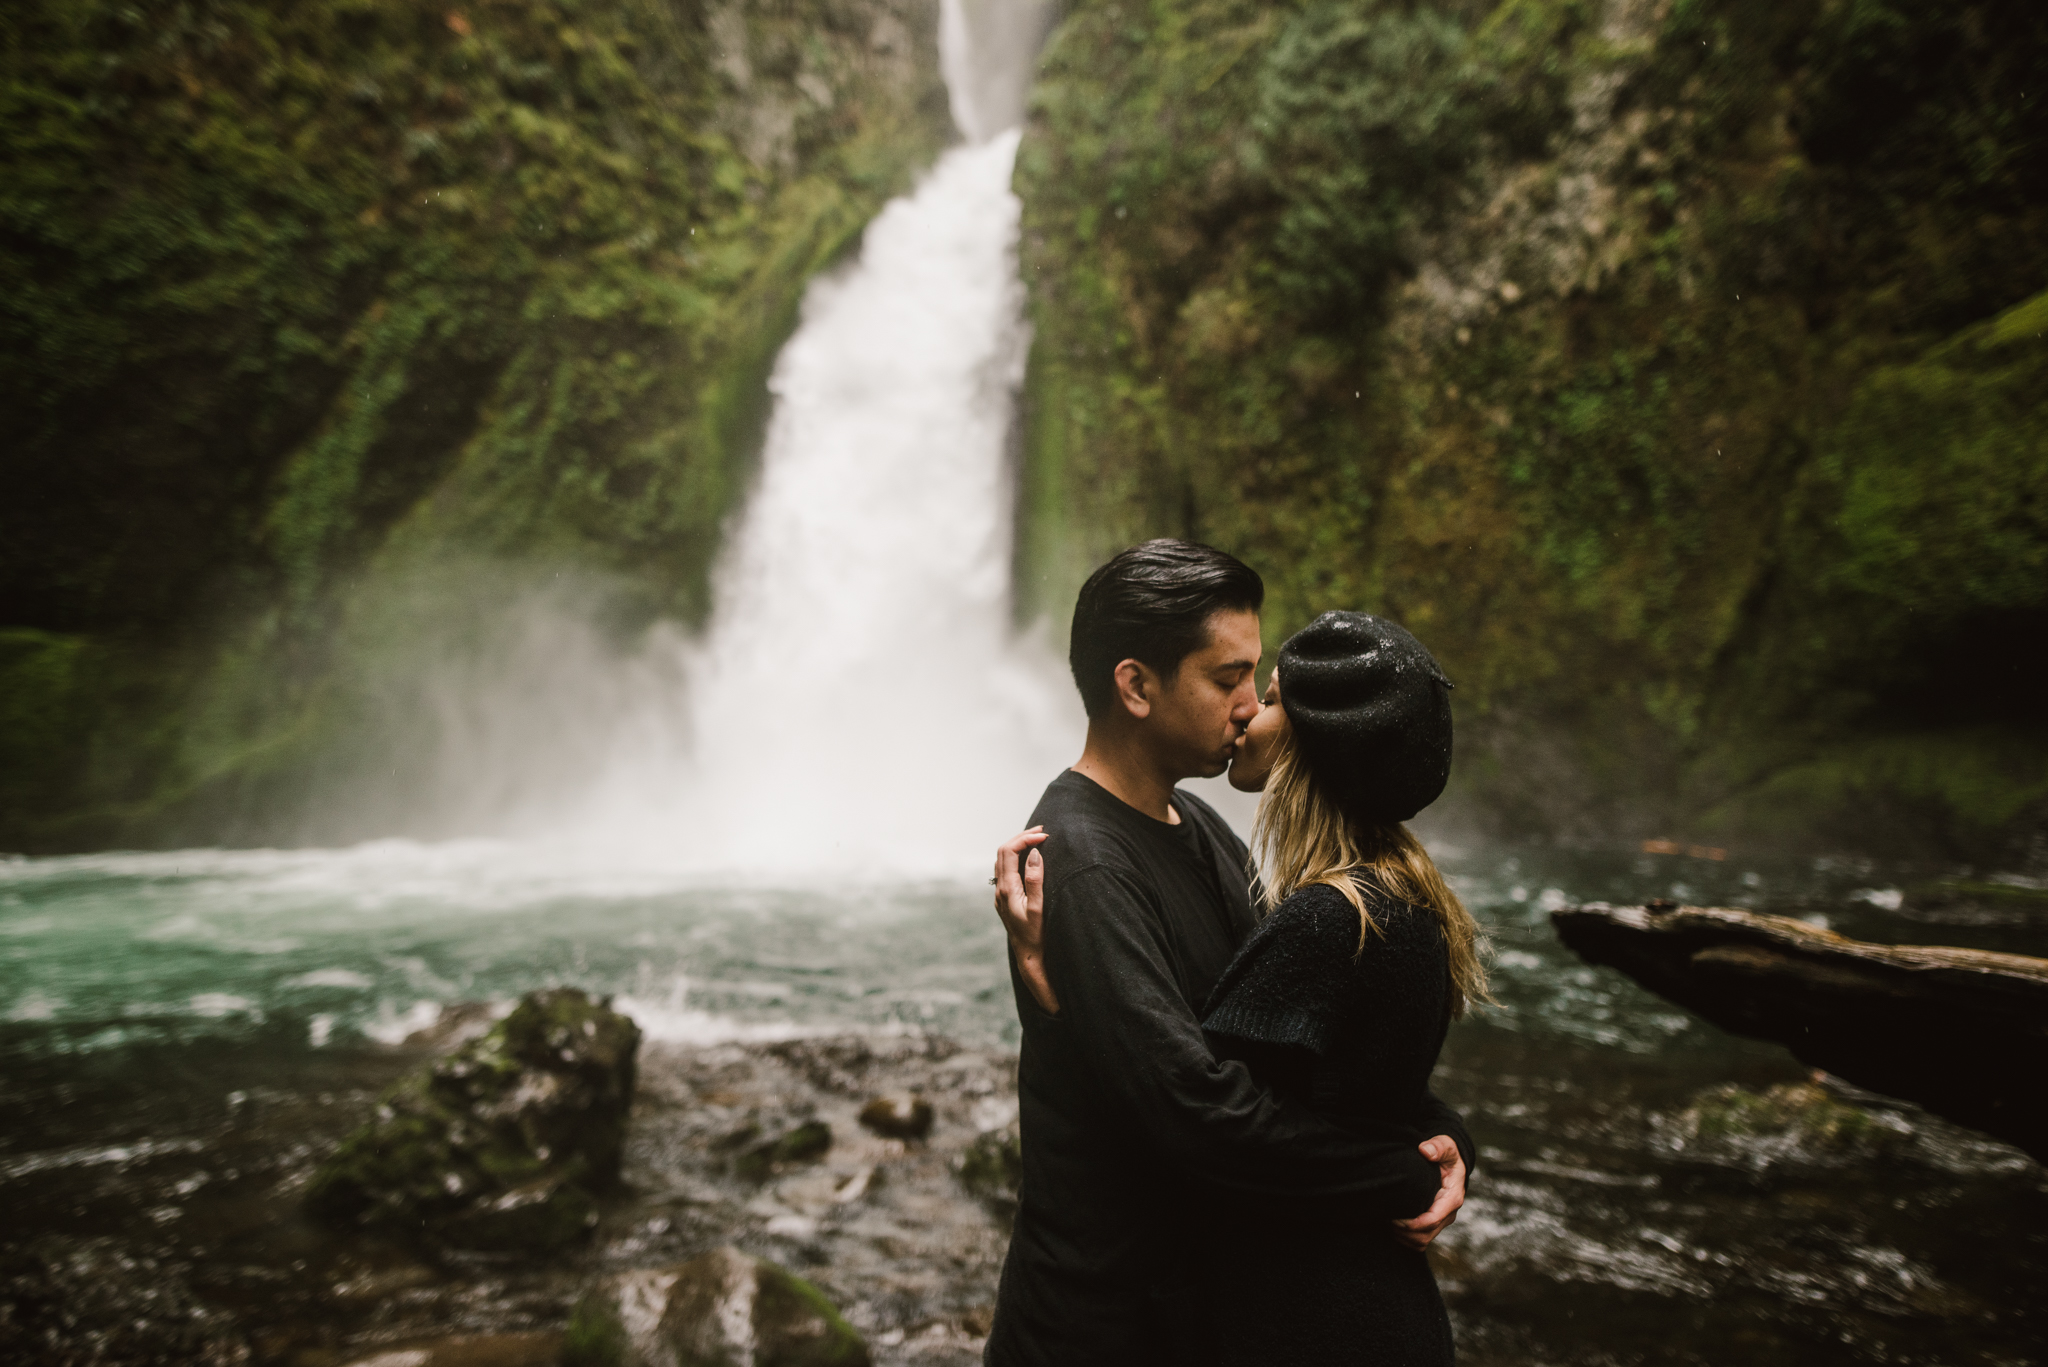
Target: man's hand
x: 1020, y: 904
x: 1441, y: 1150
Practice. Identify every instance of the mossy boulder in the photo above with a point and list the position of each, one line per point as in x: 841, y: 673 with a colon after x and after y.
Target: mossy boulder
x: 503, y: 1144
x: 724, y: 1309
x: 805, y: 1143
x: 1804, y: 1112
x: 993, y: 1167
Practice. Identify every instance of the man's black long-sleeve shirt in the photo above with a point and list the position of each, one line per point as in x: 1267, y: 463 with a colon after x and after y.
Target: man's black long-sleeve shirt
x: 1132, y: 1129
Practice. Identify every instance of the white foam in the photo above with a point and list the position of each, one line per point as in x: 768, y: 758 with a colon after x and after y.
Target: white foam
x: 35, y: 1006
x: 329, y: 977
x: 95, y: 1156
x: 670, y: 1024
x: 392, y: 1027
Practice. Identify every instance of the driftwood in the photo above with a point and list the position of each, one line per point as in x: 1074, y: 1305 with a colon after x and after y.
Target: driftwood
x: 1962, y: 1032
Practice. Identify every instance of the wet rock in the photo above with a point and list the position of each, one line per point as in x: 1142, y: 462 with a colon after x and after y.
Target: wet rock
x: 89, y: 1301
x: 805, y: 1143
x: 898, y: 1117
x: 993, y: 1167
x: 468, y: 1350
x: 721, y: 1310
x: 1801, y: 1111
x: 456, y: 1026
x: 546, y: 1214
x: 500, y: 1145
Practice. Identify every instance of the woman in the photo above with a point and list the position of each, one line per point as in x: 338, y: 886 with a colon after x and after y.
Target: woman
x: 1341, y: 998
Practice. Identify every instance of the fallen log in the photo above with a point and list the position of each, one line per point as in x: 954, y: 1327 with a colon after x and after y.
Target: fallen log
x: 1962, y: 1032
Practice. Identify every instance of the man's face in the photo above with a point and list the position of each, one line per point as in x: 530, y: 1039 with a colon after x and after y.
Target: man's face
x: 1203, y: 709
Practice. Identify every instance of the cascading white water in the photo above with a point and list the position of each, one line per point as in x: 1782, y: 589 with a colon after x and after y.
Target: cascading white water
x: 860, y: 701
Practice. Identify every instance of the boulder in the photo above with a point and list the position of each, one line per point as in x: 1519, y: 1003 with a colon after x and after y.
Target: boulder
x: 468, y: 1350
x: 898, y: 1116
x: 805, y: 1143
x: 993, y: 1167
x: 500, y: 1145
x: 1806, y: 1114
x: 724, y: 1309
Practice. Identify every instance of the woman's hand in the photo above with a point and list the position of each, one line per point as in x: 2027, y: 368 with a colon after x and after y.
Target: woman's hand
x: 1441, y: 1150
x: 1020, y: 905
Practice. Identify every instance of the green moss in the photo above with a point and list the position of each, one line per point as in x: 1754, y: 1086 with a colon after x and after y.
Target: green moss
x: 468, y: 1152
x: 1940, y: 464
x: 805, y: 1143
x: 293, y: 294
x: 799, y: 1327
x: 47, y: 702
x: 596, y: 1337
x: 993, y: 1166
x: 1803, y: 1110
x: 1678, y: 381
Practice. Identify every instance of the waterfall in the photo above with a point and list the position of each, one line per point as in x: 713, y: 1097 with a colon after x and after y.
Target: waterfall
x: 860, y: 697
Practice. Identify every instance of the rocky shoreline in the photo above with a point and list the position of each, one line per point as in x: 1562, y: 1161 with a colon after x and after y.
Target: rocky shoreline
x: 204, y: 1251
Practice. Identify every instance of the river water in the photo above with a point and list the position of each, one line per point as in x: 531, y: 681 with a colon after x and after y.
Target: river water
x: 142, y: 993
x: 792, y: 840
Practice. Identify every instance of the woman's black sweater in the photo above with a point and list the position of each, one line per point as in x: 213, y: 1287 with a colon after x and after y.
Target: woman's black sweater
x: 1354, y: 1035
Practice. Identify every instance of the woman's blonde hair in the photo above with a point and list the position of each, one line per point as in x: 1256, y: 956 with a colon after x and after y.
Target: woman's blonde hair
x: 1303, y: 838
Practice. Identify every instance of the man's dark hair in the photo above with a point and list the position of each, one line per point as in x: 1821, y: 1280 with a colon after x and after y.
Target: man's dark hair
x: 1152, y: 603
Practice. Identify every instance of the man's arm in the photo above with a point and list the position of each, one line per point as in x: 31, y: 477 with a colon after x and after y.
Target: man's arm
x: 1106, y: 963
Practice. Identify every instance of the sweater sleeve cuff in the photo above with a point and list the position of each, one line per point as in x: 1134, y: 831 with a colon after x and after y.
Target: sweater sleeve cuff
x: 1297, y: 1028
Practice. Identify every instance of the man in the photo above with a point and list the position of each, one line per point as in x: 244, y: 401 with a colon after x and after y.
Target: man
x: 1132, y: 1130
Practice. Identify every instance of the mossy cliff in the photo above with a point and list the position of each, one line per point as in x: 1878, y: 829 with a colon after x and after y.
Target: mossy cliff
x: 307, y: 304
x: 1674, y: 368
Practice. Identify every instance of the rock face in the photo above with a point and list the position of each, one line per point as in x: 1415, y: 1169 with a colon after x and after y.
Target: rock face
x: 425, y: 200
x: 1517, y: 321
x: 1963, y: 1032
x: 501, y: 1144
x: 724, y: 1309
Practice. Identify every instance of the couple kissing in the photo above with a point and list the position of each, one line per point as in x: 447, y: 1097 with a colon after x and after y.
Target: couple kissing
x: 1231, y: 1153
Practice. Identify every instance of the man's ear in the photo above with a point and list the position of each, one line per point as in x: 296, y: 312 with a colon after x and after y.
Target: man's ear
x: 1135, y: 687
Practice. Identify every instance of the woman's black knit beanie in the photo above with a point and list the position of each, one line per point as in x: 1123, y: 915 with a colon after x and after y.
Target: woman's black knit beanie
x: 1371, y: 713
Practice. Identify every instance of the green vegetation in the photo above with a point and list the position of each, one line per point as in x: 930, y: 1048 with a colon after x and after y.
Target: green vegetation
x: 501, y: 1144
x: 1677, y: 371
x: 596, y: 1336
x: 805, y: 1143
x: 798, y: 1326
x: 993, y: 1167
x: 306, y: 303
x: 1802, y: 1110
